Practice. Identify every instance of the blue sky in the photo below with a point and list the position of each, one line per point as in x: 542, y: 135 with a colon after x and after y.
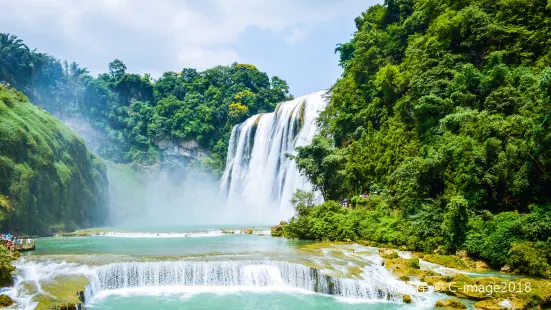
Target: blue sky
x: 294, y: 40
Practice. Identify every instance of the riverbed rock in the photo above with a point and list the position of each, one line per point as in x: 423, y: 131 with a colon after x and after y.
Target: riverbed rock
x: 506, y: 268
x: 62, y: 292
x: 481, y: 265
x: 5, y: 301
x: 512, y: 303
x: 450, y: 304
x: 407, y: 299
x: 277, y: 231
x: 386, y: 252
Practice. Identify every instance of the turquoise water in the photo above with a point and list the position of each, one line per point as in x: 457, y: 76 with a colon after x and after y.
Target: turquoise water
x: 225, y: 285
x: 184, y: 246
x: 237, y: 301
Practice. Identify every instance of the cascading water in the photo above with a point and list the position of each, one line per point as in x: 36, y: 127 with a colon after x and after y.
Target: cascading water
x: 268, y: 274
x: 257, y: 167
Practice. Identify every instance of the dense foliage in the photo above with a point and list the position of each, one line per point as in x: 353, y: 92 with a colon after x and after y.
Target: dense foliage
x: 49, y: 181
x: 444, y: 107
x: 6, y: 267
x: 132, y: 113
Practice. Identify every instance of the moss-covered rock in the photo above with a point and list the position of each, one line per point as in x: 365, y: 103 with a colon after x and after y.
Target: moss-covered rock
x: 523, y: 293
x: 278, y: 230
x: 5, y: 301
x: 450, y: 303
x: 49, y: 179
x: 406, y: 299
x: 460, y: 262
x: 402, y: 267
x: 65, y: 292
x: 502, y: 304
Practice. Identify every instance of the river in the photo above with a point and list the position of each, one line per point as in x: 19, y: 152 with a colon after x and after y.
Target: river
x: 210, y: 268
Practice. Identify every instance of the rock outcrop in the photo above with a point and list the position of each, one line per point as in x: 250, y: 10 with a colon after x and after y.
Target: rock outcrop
x: 190, y: 150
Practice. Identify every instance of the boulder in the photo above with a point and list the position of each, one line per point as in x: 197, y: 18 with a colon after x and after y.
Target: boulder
x: 407, y: 299
x: 501, y: 304
x: 450, y: 304
x: 5, y: 301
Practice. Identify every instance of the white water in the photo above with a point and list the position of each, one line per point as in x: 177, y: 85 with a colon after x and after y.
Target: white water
x: 236, y: 275
x: 257, y: 168
x: 195, y: 234
x: 212, y: 276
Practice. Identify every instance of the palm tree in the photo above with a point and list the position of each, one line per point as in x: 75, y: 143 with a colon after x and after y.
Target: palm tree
x: 14, y: 59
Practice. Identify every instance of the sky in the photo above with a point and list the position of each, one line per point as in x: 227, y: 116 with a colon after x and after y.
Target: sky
x: 292, y: 39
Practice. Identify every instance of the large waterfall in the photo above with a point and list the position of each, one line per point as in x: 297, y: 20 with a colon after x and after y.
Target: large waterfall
x: 257, y: 168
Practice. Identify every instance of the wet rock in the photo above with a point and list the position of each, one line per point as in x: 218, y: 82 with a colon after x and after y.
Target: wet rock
x: 450, y: 304
x: 407, y: 299
x: 502, y: 304
x: 5, y: 301
x: 506, y: 268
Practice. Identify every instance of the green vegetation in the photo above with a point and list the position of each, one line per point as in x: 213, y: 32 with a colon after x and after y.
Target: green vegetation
x: 132, y: 112
x: 6, y: 267
x: 444, y: 109
x: 50, y: 181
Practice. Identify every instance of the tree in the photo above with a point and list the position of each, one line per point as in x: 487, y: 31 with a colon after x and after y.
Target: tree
x: 117, y: 69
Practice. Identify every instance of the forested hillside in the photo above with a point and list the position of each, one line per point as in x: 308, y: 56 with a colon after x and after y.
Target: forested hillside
x: 49, y: 181
x: 444, y: 109
x: 132, y: 111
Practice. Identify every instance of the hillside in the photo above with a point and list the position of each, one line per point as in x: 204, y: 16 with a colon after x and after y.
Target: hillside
x: 184, y: 116
x: 49, y: 180
x: 443, y: 110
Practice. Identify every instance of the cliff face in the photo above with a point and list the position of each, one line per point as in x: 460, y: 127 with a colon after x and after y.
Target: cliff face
x: 49, y: 181
x: 188, y: 151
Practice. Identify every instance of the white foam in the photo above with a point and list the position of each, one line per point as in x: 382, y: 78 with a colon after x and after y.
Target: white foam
x: 193, y: 234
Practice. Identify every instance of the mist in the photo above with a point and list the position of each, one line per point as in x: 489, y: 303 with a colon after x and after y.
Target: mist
x: 182, y: 196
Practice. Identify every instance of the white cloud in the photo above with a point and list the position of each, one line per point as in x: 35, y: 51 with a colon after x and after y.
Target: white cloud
x: 297, y: 35
x: 188, y: 33
x: 202, y: 58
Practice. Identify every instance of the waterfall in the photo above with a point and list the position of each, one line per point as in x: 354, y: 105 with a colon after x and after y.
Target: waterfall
x: 257, y: 168
x: 263, y: 273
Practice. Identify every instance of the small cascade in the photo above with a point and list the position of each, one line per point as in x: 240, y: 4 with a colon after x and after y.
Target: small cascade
x: 269, y: 274
x: 258, y: 169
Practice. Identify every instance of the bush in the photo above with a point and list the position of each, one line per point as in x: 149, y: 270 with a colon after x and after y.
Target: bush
x: 414, y: 263
x: 526, y: 258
